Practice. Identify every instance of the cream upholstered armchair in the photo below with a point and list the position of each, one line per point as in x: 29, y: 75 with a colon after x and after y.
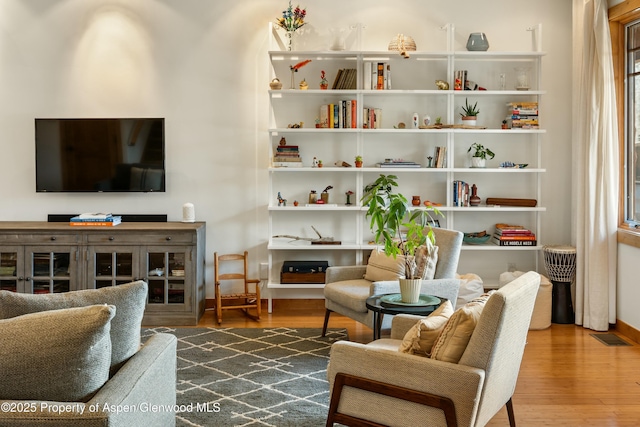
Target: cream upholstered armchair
x: 376, y: 383
x: 346, y: 290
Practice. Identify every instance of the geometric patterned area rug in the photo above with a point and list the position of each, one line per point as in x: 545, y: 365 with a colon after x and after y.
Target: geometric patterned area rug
x: 252, y: 377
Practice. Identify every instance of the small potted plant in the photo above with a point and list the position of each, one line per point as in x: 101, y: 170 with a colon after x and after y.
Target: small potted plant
x: 479, y: 156
x: 324, y: 84
x: 391, y: 215
x: 358, y: 161
x: 469, y: 113
x: 319, y: 163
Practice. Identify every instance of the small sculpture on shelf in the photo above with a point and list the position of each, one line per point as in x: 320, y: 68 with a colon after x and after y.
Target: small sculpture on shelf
x: 295, y: 68
x: 324, y: 84
x: 442, y: 85
x: 304, y: 85
x: 348, y: 194
x: 474, y: 200
x: 281, y: 201
x: 324, y: 196
x: 313, y: 197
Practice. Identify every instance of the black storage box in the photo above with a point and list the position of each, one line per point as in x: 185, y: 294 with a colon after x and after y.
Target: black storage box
x: 303, y: 271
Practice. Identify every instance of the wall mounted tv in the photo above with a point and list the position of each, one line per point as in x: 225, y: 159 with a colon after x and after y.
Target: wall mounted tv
x: 100, y: 155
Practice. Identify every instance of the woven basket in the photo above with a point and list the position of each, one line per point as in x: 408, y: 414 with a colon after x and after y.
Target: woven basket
x: 402, y: 43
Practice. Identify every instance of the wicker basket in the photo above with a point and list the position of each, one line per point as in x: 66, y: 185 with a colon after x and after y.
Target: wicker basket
x: 402, y: 43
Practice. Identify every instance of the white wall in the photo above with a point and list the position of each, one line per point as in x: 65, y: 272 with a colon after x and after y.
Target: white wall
x: 203, y: 66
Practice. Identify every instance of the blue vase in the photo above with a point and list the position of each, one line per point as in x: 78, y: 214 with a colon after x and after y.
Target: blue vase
x: 477, y: 42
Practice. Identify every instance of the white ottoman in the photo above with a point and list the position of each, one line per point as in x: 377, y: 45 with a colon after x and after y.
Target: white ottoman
x: 541, y: 317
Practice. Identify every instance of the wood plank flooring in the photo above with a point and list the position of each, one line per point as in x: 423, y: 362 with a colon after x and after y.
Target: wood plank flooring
x: 567, y: 378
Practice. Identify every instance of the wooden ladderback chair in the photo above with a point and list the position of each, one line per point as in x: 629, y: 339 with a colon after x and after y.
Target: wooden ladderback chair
x: 243, y: 301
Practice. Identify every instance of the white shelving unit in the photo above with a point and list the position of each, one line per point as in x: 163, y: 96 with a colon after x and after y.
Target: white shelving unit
x: 413, y: 90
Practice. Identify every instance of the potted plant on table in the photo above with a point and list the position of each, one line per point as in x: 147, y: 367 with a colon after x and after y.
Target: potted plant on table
x: 469, y: 113
x: 390, y: 215
x: 479, y: 156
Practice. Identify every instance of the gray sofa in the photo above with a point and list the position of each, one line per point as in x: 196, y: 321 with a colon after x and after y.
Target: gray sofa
x: 75, y: 359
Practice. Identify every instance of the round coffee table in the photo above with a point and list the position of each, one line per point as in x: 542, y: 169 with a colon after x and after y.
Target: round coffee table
x: 376, y: 304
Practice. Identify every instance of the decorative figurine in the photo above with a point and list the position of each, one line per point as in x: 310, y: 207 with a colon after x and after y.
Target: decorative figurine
x: 348, y: 194
x: 295, y: 203
x: 275, y: 84
x: 324, y: 84
x: 313, y: 197
x: 315, y: 162
x: 304, y: 85
x: 442, y: 85
x: 283, y: 141
x: 281, y: 201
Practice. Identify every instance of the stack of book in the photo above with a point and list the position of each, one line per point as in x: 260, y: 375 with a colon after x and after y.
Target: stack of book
x: 340, y: 115
x: 460, y: 193
x: 513, y: 235
x: 287, y: 156
x: 345, y: 79
x: 95, y: 220
x: 524, y: 115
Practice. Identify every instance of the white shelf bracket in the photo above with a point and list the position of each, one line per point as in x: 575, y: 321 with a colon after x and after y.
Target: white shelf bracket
x: 450, y: 29
x: 536, y: 37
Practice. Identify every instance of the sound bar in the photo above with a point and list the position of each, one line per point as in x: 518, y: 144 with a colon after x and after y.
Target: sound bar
x: 125, y: 217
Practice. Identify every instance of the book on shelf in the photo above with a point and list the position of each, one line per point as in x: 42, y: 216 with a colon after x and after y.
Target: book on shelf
x: 372, y: 118
x: 460, y: 193
x: 380, y: 76
x: 499, y: 242
x: 397, y: 164
x: 110, y: 221
x: 288, y: 164
x: 345, y: 79
x: 93, y: 216
x: 440, y: 157
x: 506, y: 237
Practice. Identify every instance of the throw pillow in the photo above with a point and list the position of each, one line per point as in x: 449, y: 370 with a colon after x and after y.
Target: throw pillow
x: 382, y: 267
x: 57, y: 355
x: 426, y: 262
x: 420, y: 338
x: 455, y: 335
x: 129, y: 299
x: 471, y: 287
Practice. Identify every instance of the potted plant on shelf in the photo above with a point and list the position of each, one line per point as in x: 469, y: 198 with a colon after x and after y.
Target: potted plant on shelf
x: 479, y: 156
x: 324, y: 84
x: 469, y: 113
x: 358, y: 161
x: 391, y: 215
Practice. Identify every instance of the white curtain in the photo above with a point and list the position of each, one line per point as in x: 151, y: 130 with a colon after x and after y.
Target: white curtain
x: 596, y: 166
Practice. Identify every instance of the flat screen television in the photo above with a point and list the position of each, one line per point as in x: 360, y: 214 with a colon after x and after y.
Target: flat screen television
x: 100, y: 155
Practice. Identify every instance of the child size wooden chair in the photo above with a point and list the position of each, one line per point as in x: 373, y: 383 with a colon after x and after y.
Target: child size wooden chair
x: 243, y: 301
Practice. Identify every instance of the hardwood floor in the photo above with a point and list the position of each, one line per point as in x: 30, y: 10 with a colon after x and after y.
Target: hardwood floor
x: 567, y: 378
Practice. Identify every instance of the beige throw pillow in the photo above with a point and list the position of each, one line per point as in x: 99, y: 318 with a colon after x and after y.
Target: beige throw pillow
x: 420, y: 338
x: 382, y: 267
x: 426, y: 262
x: 130, y: 300
x: 455, y: 335
x: 56, y: 355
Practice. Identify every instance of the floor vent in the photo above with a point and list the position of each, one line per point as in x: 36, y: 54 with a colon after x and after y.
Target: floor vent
x: 610, y: 339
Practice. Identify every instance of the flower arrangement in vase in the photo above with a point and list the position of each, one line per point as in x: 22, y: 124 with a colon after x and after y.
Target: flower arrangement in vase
x: 324, y: 84
x: 291, y: 20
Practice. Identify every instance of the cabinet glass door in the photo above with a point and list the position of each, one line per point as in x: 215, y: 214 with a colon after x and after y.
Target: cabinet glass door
x: 50, y: 270
x: 9, y: 269
x: 111, y: 266
x: 166, y: 272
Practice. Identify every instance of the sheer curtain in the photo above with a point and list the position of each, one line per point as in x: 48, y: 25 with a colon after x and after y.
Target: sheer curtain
x: 595, y: 169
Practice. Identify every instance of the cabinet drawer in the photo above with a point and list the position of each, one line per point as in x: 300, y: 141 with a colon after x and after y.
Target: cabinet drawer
x: 141, y: 239
x: 39, y: 239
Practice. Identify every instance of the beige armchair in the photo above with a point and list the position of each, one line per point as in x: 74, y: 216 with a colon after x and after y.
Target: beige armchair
x: 346, y: 290
x: 408, y: 390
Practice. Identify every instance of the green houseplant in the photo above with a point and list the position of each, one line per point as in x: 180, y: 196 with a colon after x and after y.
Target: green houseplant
x: 469, y: 113
x: 479, y: 156
x: 390, y: 214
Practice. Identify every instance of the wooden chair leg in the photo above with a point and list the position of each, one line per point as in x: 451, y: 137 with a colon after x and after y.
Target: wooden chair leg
x: 512, y: 418
x: 327, y: 313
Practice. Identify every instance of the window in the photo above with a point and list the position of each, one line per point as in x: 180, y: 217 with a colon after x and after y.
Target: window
x: 632, y: 124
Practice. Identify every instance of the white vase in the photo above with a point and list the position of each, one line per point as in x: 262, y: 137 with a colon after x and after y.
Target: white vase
x: 478, y: 162
x: 469, y: 120
x: 410, y: 290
